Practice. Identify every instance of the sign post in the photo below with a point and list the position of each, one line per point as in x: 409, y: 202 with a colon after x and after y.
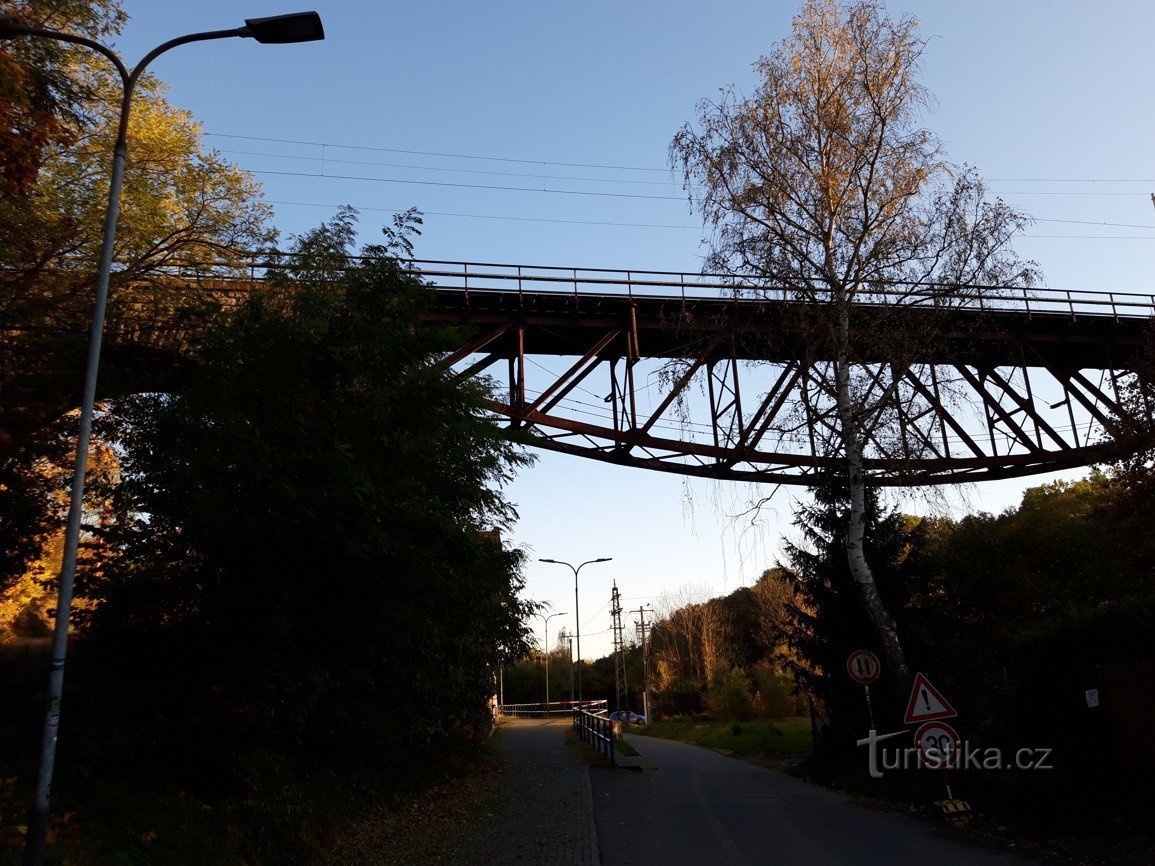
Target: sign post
x: 864, y: 667
x: 937, y: 743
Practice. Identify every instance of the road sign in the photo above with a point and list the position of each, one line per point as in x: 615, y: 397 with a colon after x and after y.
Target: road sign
x: 926, y: 703
x: 937, y: 744
x: 863, y: 666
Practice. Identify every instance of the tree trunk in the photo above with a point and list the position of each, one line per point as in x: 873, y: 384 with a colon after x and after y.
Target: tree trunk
x: 860, y: 570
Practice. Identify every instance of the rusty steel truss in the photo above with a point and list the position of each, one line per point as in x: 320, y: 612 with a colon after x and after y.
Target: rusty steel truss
x: 685, y: 374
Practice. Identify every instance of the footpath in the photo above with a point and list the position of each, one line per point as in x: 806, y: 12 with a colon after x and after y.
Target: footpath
x: 531, y: 805
x: 546, y: 814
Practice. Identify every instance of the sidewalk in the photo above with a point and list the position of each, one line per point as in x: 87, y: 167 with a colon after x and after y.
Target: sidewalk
x: 546, y: 806
x: 531, y: 805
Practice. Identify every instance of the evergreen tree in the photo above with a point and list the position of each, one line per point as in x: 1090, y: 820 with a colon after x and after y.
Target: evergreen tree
x: 829, y: 621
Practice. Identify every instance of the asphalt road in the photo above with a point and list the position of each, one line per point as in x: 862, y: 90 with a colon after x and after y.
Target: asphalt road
x: 704, y: 808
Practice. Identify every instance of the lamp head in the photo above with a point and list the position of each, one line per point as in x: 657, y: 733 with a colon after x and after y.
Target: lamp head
x: 549, y: 560
x: 282, y: 29
x: 604, y: 559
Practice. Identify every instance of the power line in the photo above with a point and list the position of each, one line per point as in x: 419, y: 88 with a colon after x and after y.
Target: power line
x: 1070, y: 180
x: 1089, y: 223
x: 434, y: 153
x: 493, y: 216
x: 468, y: 185
x: 379, y: 149
x: 325, y: 160
x: 1097, y: 237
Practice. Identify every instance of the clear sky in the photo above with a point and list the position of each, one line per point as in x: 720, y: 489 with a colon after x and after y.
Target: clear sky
x: 434, y: 104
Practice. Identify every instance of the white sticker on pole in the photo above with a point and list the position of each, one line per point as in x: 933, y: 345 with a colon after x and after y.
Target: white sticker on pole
x: 863, y: 666
x: 926, y: 703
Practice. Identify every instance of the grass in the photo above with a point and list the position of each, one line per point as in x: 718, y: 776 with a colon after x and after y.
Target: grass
x: 624, y: 748
x: 780, y: 738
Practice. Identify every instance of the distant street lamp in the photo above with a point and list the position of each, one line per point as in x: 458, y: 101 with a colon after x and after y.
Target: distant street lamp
x: 279, y: 29
x: 547, y: 619
x: 577, y: 609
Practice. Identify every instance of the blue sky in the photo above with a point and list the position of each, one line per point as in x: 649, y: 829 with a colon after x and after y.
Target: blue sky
x: 420, y: 104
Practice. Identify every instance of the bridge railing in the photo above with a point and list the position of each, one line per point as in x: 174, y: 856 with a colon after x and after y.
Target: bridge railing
x: 597, y: 731
x: 591, y: 283
x: 588, y: 283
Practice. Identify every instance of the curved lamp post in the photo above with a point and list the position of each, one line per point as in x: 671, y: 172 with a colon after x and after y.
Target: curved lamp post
x: 279, y: 29
x: 577, y: 609
x: 547, y: 619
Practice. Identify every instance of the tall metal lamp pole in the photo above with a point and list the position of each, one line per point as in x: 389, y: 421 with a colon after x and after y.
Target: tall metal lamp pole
x: 547, y: 619
x: 577, y: 609
x: 297, y: 27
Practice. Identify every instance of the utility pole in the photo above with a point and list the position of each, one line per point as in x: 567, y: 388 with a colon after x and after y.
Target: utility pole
x: 643, y: 631
x: 570, y: 642
x: 547, y: 619
x: 621, y: 697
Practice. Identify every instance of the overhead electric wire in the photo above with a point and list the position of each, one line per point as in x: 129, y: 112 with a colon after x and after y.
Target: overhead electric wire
x: 380, y: 149
x: 325, y: 160
x: 467, y: 185
x: 1090, y: 223
x: 435, y: 153
x: 492, y: 216
x: 1070, y: 180
x: 1096, y: 237
x: 539, y: 162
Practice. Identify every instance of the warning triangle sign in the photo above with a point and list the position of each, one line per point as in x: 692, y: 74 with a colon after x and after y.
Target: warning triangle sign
x: 926, y: 703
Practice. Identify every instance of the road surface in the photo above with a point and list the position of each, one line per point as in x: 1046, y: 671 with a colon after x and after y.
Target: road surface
x: 704, y: 808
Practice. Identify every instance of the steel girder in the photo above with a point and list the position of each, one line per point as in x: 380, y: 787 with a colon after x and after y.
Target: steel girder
x: 739, y: 390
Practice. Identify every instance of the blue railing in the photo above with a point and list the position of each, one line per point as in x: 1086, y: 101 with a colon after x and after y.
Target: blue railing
x: 596, y: 731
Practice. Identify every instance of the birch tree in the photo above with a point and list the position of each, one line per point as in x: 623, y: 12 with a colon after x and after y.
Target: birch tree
x: 822, y: 187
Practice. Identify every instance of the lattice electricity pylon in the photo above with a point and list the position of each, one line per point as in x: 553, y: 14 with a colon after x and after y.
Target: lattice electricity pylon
x: 738, y: 388
x: 621, y: 689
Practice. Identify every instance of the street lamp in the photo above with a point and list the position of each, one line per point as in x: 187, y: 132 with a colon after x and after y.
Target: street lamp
x: 279, y: 29
x: 577, y: 608
x: 547, y: 619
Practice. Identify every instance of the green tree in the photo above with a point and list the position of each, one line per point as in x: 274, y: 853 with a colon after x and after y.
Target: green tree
x: 300, y: 563
x: 182, y: 206
x: 828, y: 620
x: 822, y: 187
x: 43, y: 101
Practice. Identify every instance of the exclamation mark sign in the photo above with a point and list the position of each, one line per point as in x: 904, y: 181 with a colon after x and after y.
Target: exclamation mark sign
x: 926, y: 699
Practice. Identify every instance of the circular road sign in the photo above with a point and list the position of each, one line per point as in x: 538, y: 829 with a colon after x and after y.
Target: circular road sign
x: 863, y: 666
x: 938, y: 745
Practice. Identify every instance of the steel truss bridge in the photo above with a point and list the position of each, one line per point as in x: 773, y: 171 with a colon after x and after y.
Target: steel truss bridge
x: 694, y: 375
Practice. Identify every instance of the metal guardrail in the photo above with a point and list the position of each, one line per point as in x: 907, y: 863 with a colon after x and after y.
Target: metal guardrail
x: 553, y: 708
x: 596, y: 731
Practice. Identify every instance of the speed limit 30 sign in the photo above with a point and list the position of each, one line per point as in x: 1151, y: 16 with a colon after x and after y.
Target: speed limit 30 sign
x: 938, y: 745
